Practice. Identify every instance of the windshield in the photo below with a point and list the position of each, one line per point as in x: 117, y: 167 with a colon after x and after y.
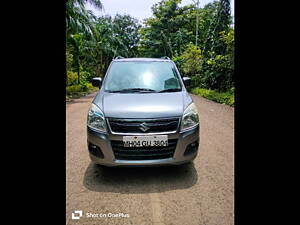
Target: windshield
x: 142, y: 77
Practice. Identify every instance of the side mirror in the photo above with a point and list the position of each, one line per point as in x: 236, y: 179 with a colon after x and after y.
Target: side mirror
x: 97, y: 81
x: 186, y: 81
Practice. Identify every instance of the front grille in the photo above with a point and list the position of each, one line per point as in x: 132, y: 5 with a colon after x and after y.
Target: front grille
x: 136, y: 125
x: 143, y: 153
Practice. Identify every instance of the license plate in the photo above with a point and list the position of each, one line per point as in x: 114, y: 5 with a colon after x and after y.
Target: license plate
x: 145, y: 141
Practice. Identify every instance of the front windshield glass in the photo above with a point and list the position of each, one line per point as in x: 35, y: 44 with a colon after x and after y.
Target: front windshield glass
x: 142, y: 76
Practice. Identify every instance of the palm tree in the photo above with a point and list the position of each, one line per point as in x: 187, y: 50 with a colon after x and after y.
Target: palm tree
x: 78, y: 19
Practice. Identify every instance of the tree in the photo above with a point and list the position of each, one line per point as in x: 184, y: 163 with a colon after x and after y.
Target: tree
x: 69, y: 60
x: 78, y: 19
x: 77, y: 43
x: 219, y: 68
x: 192, y: 59
x: 165, y: 32
x: 215, y: 67
x: 172, y: 28
x: 190, y: 63
x: 111, y: 37
x: 93, y: 42
x: 125, y: 30
x: 221, y: 22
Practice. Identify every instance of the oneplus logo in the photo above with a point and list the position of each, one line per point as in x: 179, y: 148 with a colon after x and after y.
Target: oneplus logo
x: 77, y: 214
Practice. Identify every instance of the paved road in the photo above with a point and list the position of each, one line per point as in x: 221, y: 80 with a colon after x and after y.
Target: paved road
x: 196, y: 194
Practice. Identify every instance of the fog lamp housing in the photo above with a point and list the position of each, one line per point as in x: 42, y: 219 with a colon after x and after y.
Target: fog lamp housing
x: 192, y: 148
x: 95, y: 150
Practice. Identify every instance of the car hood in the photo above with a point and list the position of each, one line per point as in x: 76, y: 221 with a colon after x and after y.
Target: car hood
x: 142, y: 105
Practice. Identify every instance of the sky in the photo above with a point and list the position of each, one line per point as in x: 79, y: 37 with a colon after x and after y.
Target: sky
x: 140, y: 9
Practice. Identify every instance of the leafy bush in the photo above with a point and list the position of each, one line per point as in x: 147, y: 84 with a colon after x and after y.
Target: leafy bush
x: 75, y: 89
x: 197, y: 81
x: 80, y: 90
x: 220, y: 97
x: 218, y: 72
x: 85, y: 77
x: 192, y: 59
x: 90, y: 87
x: 69, y: 60
x: 71, y: 78
x: 207, y: 68
x: 178, y: 60
x: 218, y: 69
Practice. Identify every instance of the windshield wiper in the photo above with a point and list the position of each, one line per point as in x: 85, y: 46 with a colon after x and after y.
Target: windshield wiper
x: 134, y: 90
x: 170, y: 90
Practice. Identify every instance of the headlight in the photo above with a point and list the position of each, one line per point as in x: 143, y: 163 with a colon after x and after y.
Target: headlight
x: 96, y: 119
x: 190, y: 117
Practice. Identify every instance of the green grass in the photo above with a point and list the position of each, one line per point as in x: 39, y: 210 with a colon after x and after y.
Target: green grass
x: 220, y: 97
x: 80, y: 90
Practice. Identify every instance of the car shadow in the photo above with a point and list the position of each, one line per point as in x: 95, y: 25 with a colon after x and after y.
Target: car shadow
x: 138, y: 180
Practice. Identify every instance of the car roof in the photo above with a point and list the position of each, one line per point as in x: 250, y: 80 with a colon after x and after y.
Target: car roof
x: 142, y: 59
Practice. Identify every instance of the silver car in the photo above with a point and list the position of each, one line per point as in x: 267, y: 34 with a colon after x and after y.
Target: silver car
x: 142, y: 115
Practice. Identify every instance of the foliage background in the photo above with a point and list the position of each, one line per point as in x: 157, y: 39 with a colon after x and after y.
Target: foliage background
x: 92, y: 42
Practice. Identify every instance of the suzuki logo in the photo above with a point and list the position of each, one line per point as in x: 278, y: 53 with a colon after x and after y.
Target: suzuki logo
x: 143, y: 127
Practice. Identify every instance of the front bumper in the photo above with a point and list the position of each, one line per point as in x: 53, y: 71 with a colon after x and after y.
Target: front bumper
x: 102, y: 141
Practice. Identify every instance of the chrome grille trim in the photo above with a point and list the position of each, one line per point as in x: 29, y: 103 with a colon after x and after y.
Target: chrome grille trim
x: 141, y: 120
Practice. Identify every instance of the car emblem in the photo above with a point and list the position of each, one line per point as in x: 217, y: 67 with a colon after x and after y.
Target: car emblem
x: 143, y: 127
